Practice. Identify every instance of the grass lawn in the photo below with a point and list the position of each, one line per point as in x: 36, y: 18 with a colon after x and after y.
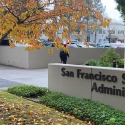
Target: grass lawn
x: 18, y: 111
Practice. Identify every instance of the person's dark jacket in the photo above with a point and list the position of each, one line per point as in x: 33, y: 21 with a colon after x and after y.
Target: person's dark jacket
x: 63, y: 56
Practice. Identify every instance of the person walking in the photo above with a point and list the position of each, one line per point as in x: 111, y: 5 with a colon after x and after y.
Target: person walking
x: 63, y: 56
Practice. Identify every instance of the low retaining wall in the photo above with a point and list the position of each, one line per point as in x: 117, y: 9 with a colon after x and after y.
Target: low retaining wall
x: 19, y: 57
x: 105, y: 85
x: 14, y: 57
x: 41, y: 59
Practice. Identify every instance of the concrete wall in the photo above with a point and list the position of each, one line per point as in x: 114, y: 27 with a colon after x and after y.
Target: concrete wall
x: 15, y: 57
x: 19, y: 57
x: 80, y: 84
x: 70, y: 86
x: 41, y: 59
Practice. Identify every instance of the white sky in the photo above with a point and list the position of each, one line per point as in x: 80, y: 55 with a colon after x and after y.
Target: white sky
x: 111, y: 10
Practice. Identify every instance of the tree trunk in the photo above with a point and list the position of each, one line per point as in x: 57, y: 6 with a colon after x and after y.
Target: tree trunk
x: 5, y: 35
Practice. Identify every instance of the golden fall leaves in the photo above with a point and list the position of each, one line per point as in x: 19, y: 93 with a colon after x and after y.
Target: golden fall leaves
x: 86, y: 43
x: 27, y: 20
x: 105, y: 22
x: 17, y: 111
x: 58, y: 45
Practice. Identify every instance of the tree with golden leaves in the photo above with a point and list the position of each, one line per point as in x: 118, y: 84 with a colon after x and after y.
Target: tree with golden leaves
x: 25, y: 20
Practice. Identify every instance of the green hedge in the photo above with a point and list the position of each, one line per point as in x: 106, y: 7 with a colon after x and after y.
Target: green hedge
x: 84, y: 109
x: 28, y: 90
x: 106, y: 59
x: 93, y: 62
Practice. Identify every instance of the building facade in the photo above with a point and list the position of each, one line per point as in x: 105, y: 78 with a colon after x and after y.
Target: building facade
x: 115, y: 31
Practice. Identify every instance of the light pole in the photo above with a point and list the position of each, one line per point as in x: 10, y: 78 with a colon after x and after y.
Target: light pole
x: 109, y: 37
x: 88, y: 34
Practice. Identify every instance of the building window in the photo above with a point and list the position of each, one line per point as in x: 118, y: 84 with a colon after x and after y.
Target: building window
x: 121, y: 32
x: 103, y: 31
x: 111, y: 31
x: 100, y: 31
x: 100, y: 40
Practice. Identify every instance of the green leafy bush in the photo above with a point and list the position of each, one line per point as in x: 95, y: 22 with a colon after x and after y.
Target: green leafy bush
x: 109, y: 56
x: 120, y: 63
x: 84, y: 109
x: 106, y: 60
x: 105, y: 64
x: 92, y: 62
x: 111, y: 121
x: 28, y: 90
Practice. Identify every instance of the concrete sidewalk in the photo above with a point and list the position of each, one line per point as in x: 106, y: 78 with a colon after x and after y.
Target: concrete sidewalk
x: 11, y: 76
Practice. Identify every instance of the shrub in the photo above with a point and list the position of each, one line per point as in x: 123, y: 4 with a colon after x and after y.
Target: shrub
x: 105, y: 64
x: 28, y: 90
x: 109, y: 56
x: 92, y: 62
x: 120, y: 63
x: 106, y: 60
x: 84, y: 109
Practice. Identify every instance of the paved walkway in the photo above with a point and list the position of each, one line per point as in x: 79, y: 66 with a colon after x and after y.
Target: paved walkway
x: 11, y: 76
